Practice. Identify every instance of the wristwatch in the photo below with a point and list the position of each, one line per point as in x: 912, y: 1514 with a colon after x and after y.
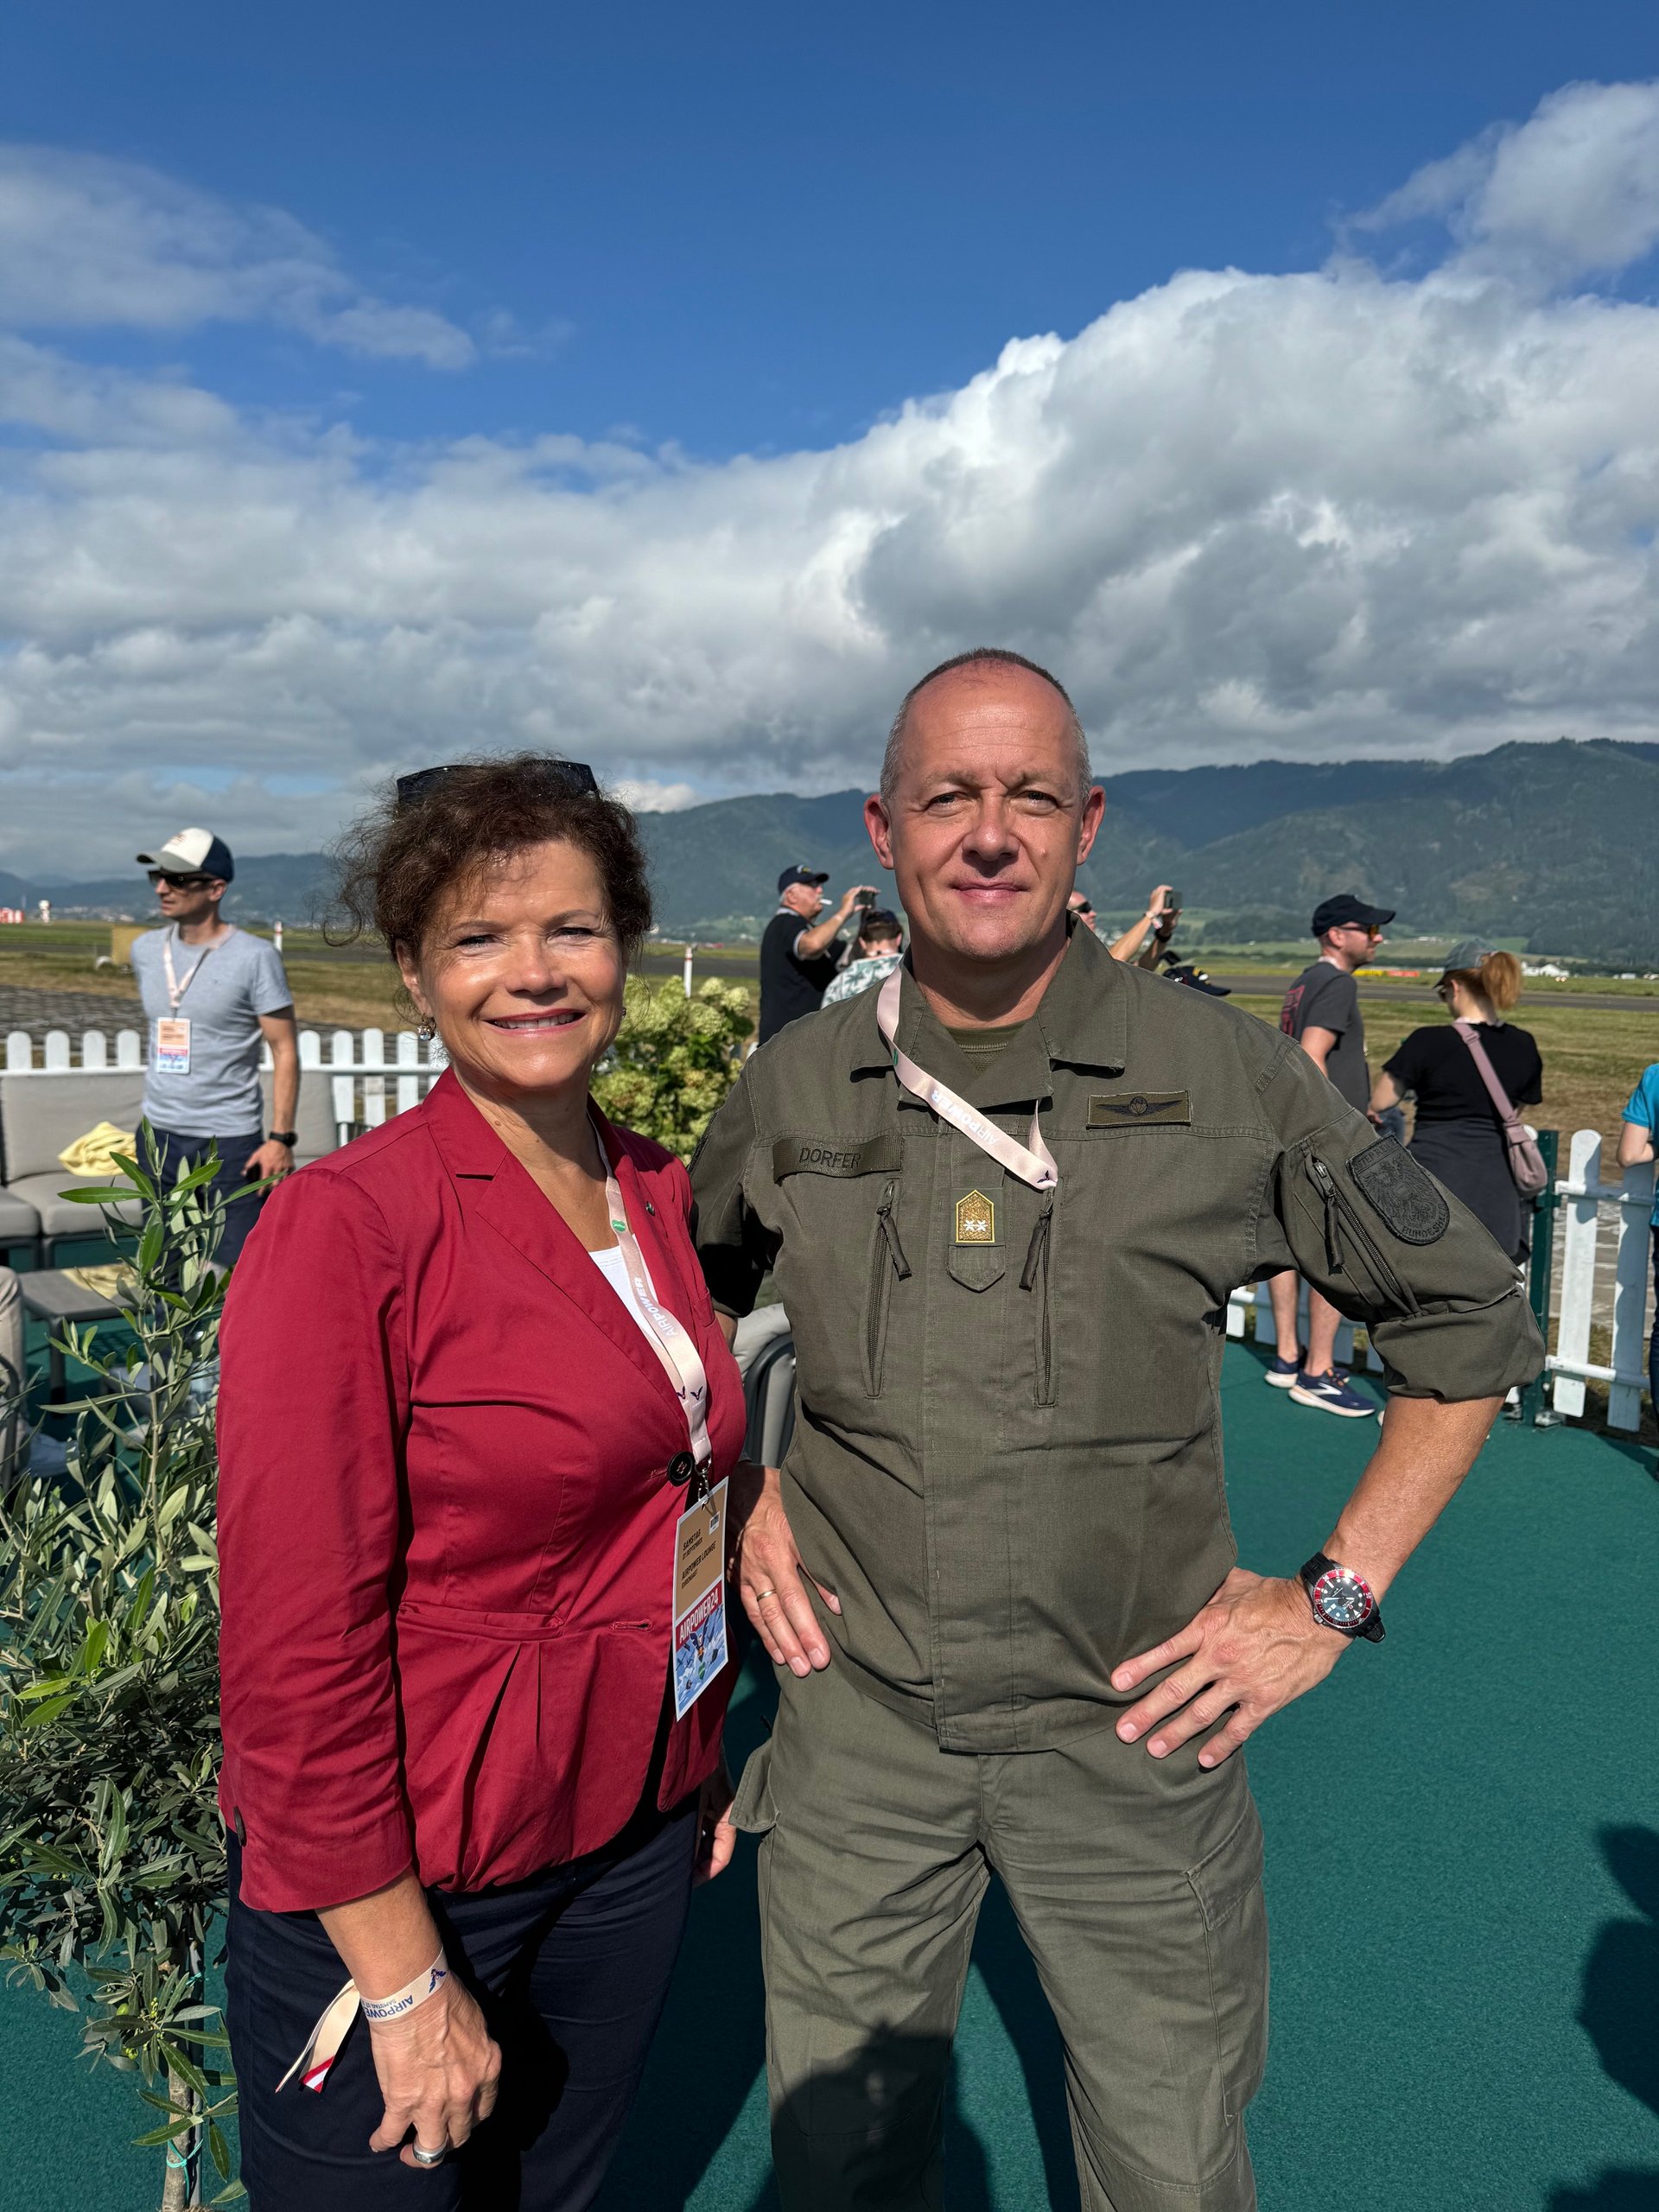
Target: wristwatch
x: 1342, y: 1599
x: 289, y: 1137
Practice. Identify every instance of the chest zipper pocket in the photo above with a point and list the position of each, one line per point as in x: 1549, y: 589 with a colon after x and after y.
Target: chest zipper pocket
x: 1340, y: 1216
x: 887, y: 1265
x: 1034, y: 1278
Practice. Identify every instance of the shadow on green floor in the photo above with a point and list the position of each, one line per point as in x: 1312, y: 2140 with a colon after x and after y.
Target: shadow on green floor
x: 1463, y: 1884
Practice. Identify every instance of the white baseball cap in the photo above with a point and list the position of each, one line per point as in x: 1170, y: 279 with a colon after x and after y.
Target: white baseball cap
x: 192, y: 852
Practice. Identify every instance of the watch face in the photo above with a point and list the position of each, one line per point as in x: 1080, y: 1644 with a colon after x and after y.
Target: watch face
x: 1341, y: 1600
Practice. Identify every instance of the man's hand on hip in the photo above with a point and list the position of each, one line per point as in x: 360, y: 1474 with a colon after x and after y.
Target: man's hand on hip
x: 770, y: 1577
x: 1254, y: 1648
x: 267, y: 1162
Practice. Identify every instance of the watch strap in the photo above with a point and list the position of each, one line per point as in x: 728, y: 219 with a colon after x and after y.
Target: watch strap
x: 289, y: 1137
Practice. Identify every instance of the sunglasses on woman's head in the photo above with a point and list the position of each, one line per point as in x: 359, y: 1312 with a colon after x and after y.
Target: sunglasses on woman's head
x: 573, y: 776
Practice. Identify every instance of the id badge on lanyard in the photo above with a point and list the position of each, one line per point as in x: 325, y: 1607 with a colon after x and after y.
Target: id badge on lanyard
x: 698, y: 1596
x: 173, y: 1030
x: 173, y: 1043
x: 700, y: 1649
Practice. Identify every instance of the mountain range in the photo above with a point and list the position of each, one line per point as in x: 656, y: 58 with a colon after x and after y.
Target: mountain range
x: 1555, y: 847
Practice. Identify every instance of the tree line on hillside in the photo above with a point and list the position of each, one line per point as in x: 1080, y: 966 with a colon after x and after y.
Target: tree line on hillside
x: 1555, y: 847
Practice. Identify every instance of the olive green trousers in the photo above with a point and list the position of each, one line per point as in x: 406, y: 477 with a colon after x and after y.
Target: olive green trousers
x: 1136, y: 1885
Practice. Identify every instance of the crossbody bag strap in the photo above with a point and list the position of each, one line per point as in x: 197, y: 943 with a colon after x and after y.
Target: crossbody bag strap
x: 1500, y: 1097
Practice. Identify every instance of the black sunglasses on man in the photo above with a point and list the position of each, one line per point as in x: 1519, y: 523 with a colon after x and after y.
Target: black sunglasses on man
x: 160, y: 875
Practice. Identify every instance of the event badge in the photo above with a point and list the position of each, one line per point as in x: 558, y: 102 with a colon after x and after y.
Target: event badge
x: 173, y: 1043
x: 699, y: 1598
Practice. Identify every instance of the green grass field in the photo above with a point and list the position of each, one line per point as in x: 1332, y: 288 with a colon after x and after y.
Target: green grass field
x: 1592, y: 1055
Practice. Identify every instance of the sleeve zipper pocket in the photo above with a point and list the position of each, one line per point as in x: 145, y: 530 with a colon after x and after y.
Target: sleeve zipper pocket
x: 1339, y: 1215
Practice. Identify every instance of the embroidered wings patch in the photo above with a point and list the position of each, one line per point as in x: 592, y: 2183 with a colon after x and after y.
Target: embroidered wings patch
x: 1127, y: 1109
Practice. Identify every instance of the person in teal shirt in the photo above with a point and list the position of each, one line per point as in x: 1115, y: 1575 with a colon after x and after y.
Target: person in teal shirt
x: 1635, y: 1143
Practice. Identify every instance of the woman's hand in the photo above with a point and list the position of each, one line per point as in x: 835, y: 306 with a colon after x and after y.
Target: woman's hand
x: 717, y: 1830
x: 770, y: 1577
x: 436, y: 2064
x: 438, y: 2071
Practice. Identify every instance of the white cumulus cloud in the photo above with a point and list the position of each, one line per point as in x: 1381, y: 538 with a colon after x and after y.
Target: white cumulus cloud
x: 1313, y: 515
x: 85, y: 242
x: 1572, y: 192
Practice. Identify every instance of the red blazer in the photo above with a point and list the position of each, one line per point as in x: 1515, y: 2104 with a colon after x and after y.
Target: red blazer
x: 446, y: 1533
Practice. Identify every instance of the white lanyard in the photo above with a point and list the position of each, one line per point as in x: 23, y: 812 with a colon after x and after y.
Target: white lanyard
x: 681, y: 1361
x: 176, y: 990
x: 1034, y: 1165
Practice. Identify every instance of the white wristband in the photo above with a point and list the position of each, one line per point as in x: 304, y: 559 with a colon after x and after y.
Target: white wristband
x: 413, y: 1993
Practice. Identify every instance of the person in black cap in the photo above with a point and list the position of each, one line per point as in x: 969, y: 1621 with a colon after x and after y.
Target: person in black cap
x: 1321, y: 1011
x: 797, y: 951
x: 213, y: 994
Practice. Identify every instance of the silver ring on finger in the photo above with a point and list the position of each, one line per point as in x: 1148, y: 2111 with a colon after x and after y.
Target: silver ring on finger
x: 760, y: 1594
x: 428, y: 2158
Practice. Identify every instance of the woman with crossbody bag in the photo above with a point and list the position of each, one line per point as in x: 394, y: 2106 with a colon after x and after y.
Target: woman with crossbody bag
x: 1470, y: 1079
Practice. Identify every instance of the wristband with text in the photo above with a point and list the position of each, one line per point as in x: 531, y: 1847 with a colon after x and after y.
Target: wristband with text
x: 323, y: 2044
x: 411, y: 1994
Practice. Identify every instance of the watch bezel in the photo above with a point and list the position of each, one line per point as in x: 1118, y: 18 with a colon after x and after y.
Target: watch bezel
x: 1340, y: 1578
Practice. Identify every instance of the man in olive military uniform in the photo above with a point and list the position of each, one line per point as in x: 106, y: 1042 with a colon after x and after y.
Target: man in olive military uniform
x: 1004, y: 1200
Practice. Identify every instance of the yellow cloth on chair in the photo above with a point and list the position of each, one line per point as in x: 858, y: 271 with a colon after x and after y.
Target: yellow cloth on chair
x: 111, y: 1279
x: 94, y: 1154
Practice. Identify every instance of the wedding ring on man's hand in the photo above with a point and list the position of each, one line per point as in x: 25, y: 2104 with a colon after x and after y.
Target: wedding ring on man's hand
x: 428, y: 2158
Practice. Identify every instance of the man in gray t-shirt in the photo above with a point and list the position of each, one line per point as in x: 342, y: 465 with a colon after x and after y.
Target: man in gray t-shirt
x: 1321, y: 1012
x: 212, y: 994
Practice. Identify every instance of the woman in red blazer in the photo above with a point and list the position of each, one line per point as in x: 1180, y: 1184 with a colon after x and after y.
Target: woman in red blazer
x: 468, y: 1367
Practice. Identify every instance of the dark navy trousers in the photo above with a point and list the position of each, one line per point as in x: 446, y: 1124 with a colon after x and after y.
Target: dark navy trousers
x: 571, y: 1967
x: 179, y: 1154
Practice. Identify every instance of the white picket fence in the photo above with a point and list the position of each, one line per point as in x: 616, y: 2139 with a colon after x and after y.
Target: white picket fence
x: 1570, y: 1364
x: 374, y: 1075
x: 1254, y: 1298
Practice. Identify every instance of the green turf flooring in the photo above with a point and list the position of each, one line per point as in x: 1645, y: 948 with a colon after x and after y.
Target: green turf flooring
x: 1463, y: 1877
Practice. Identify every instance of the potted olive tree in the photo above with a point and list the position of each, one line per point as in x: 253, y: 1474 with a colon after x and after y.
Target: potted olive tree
x: 112, y: 1852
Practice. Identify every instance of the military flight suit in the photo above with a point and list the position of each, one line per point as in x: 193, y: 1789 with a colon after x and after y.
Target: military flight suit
x: 1006, y: 1464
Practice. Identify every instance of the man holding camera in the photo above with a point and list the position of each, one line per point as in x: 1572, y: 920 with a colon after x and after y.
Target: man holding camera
x: 798, y: 954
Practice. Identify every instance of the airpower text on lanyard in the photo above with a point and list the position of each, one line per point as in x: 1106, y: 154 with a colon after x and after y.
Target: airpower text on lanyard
x: 173, y: 1029
x: 682, y: 1363
x: 1034, y: 1163
x: 698, y: 1600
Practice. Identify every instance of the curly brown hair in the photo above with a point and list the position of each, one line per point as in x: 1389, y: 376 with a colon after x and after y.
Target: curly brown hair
x: 399, y: 864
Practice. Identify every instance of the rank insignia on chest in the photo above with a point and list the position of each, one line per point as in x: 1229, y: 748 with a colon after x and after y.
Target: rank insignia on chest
x: 976, y: 1220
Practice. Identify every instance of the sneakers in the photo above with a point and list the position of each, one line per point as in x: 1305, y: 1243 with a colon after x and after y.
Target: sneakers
x: 1282, y: 1373
x: 1333, y: 1394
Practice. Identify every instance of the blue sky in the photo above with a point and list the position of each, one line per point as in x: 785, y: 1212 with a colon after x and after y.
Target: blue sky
x: 747, y: 228
x: 669, y: 389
